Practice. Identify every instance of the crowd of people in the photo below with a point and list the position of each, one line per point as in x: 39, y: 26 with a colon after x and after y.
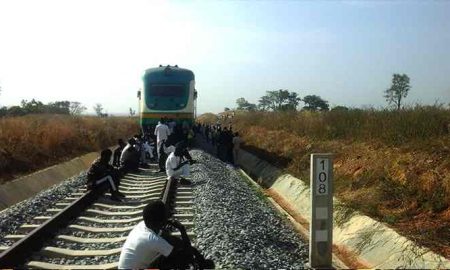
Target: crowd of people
x: 167, y: 145
x: 149, y: 244
x: 226, y: 142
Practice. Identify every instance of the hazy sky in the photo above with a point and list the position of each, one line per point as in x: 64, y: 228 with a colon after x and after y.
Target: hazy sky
x: 346, y: 52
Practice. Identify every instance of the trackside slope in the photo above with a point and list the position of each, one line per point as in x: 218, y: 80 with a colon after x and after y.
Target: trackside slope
x: 29, y: 185
x: 376, y: 244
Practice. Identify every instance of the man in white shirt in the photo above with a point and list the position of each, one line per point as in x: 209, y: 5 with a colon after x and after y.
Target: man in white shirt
x: 162, y: 133
x: 177, y: 164
x: 144, y: 245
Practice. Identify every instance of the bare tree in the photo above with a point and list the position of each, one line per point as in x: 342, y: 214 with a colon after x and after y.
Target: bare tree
x: 132, y: 112
x: 76, y: 108
x: 98, y: 108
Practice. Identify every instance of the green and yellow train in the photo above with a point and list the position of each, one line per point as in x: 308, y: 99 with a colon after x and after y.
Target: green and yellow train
x: 168, y: 92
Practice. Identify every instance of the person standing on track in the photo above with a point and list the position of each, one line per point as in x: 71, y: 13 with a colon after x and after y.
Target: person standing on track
x: 147, y: 246
x: 162, y: 133
x: 101, y: 171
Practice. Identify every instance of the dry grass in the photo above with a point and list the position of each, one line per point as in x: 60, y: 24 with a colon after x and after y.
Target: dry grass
x: 396, y: 170
x: 32, y: 142
x: 390, y: 127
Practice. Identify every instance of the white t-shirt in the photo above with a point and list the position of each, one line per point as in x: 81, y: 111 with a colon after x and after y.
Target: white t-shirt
x: 171, y: 163
x: 169, y: 149
x: 142, y: 247
x: 162, y: 132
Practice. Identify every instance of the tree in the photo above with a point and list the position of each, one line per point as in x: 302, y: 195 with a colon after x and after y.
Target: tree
x: 59, y: 107
x: 314, y: 103
x: 132, y: 112
x: 76, y: 108
x: 244, y: 105
x: 339, y: 108
x: 293, y: 100
x: 226, y: 109
x: 280, y: 100
x: 32, y: 106
x: 16, y: 111
x: 3, y: 111
x: 265, y: 103
x: 398, y: 90
x: 98, y: 108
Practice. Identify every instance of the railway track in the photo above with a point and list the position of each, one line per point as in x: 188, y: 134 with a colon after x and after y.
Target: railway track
x: 86, y: 230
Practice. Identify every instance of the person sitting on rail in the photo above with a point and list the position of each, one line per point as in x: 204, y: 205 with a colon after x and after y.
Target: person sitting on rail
x: 118, y: 152
x: 162, y: 133
x: 101, y: 171
x: 149, y: 245
x: 177, y: 164
x: 129, y: 160
x: 139, y: 146
x: 148, y: 147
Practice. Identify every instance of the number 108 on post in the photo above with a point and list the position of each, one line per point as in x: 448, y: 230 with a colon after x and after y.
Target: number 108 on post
x: 322, y: 170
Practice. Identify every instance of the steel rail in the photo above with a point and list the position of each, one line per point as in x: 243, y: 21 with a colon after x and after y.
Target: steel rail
x: 20, y: 251
x: 167, y: 190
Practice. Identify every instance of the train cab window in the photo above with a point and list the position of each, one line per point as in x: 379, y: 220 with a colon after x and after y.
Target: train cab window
x: 167, y: 90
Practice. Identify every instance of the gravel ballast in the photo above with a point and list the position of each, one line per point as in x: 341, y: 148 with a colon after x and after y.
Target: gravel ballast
x: 235, y: 225
x: 23, y: 212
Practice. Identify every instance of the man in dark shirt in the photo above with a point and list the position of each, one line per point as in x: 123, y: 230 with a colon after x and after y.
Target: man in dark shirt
x: 129, y: 159
x: 118, y: 152
x: 101, y: 171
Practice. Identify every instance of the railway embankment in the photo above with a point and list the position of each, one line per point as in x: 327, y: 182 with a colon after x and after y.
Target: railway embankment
x: 405, y: 185
x: 358, y: 239
x: 28, y: 186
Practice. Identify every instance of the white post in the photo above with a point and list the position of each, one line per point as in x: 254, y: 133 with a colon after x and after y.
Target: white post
x: 321, y: 226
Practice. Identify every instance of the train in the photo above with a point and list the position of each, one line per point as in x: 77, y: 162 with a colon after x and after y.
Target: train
x: 167, y: 92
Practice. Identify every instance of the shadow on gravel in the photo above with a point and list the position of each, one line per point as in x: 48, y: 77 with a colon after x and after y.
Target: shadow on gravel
x: 198, y: 183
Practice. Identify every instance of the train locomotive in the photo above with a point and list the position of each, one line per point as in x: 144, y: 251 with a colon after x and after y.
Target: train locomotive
x: 168, y: 92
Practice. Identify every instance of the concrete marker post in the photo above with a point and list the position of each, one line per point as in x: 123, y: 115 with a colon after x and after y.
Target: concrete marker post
x: 321, y: 226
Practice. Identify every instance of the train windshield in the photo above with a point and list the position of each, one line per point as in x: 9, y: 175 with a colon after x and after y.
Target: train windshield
x: 167, y: 90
